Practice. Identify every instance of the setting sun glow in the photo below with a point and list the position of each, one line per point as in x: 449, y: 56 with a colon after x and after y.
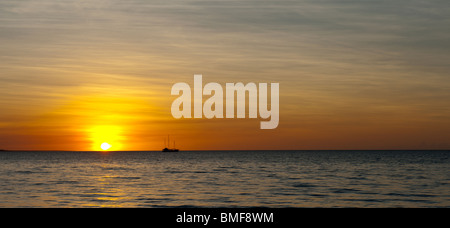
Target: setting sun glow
x: 106, y: 136
x: 105, y: 146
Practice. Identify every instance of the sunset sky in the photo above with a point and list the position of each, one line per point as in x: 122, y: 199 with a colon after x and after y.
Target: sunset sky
x: 352, y: 74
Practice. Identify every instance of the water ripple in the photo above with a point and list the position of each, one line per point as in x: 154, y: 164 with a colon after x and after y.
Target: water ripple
x: 226, y: 179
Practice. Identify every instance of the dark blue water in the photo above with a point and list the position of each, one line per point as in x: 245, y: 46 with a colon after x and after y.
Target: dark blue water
x: 226, y: 179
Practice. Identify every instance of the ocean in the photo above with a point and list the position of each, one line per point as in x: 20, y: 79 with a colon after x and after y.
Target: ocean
x: 232, y: 179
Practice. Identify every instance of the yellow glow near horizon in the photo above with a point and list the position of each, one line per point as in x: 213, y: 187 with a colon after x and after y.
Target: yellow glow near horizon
x: 106, y: 136
x: 116, y: 120
x: 105, y: 146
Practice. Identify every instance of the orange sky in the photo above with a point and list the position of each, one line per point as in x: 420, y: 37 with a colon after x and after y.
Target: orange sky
x: 352, y: 75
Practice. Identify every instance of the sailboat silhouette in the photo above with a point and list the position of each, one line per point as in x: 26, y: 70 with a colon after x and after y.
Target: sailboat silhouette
x: 167, y: 149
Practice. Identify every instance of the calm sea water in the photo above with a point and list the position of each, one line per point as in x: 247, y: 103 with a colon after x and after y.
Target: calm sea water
x: 226, y: 179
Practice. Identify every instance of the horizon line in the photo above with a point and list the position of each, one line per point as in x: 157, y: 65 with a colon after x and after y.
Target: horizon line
x: 205, y: 150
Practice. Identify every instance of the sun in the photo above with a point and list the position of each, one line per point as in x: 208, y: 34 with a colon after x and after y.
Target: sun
x: 106, y: 137
x: 105, y: 146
